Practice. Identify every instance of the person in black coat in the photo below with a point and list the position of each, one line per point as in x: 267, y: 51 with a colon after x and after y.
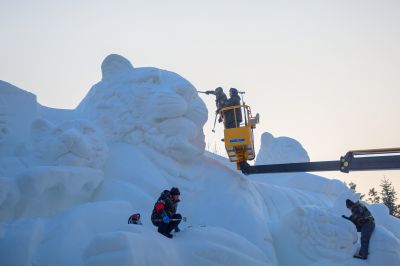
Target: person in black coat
x: 164, y: 214
x: 364, y: 222
x: 233, y: 117
x: 220, y: 99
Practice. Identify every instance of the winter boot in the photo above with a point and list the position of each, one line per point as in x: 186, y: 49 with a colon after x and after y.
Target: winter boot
x: 168, y: 235
x: 358, y: 256
x: 165, y: 233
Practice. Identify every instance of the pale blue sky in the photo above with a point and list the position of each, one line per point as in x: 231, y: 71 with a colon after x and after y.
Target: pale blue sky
x: 323, y: 72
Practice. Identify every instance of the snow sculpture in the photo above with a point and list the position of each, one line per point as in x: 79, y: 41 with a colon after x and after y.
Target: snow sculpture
x: 72, y: 143
x: 126, y: 246
x: 280, y: 150
x: 311, y: 234
x: 55, y: 208
x: 384, y: 248
x: 3, y: 121
x: 147, y: 105
x: 48, y: 190
x: 66, y: 171
x: 17, y: 111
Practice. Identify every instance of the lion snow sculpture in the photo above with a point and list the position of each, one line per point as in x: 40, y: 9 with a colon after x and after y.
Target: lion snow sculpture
x: 147, y: 105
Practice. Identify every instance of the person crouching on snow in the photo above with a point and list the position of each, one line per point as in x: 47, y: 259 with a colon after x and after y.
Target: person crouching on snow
x: 364, y: 223
x: 164, y: 214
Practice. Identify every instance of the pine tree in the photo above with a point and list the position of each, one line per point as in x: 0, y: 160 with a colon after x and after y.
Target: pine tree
x: 397, y: 211
x: 353, y: 187
x: 373, y: 196
x: 389, y: 196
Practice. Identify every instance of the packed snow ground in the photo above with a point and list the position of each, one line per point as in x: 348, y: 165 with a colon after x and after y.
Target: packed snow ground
x: 69, y: 179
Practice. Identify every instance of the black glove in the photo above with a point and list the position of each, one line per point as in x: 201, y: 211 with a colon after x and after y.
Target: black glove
x: 345, y: 217
x: 219, y: 119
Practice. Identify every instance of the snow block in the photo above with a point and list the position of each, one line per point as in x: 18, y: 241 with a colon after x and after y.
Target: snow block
x: 18, y: 109
x: 20, y: 241
x: 47, y: 190
x: 9, y: 197
x: 193, y: 246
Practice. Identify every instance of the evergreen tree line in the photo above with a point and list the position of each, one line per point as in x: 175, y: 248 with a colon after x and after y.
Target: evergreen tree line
x: 387, y: 196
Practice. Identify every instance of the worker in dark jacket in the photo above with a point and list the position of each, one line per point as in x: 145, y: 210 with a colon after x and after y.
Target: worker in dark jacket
x: 164, y: 214
x: 364, y: 222
x: 233, y: 117
x: 220, y: 99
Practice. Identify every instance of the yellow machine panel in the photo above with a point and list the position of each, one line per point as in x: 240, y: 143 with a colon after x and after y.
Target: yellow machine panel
x: 238, y: 136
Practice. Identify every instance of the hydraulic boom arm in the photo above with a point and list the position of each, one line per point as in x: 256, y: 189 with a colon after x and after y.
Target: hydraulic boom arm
x: 356, y: 160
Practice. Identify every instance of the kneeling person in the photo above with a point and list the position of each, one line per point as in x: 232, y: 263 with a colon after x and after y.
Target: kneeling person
x: 164, y: 214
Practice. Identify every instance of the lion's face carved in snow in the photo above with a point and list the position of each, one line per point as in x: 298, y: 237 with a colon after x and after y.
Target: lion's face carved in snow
x: 72, y: 143
x: 147, y: 105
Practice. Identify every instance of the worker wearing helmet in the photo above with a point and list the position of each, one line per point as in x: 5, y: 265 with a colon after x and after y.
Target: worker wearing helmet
x: 233, y: 117
x: 220, y: 99
x: 164, y: 214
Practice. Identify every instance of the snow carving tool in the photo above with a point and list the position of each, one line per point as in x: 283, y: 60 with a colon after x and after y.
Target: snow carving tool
x: 215, y: 121
x: 207, y: 92
x: 184, y: 219
x: 213, y: 92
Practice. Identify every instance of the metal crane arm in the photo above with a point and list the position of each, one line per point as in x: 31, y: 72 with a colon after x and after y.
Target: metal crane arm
x: 356, y: 160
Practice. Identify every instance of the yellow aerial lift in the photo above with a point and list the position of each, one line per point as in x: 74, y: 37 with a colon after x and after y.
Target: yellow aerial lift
x: 239, y: 140
x: 239, y: 145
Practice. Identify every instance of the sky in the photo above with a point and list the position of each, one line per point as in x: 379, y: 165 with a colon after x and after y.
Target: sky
x: 322, y: 72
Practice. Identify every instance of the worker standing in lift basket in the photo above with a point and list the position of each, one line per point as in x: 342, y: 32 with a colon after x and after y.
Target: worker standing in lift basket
x: 233, y: 117
x: 220, y: 99
x: 219, y: 102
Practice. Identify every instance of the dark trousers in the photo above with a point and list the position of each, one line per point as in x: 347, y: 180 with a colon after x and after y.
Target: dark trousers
x: 166, y: 228
x: 229, y: 118
x: 366, y: 232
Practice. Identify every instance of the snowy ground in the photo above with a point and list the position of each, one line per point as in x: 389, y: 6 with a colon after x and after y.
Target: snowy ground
x: 69, y: 179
